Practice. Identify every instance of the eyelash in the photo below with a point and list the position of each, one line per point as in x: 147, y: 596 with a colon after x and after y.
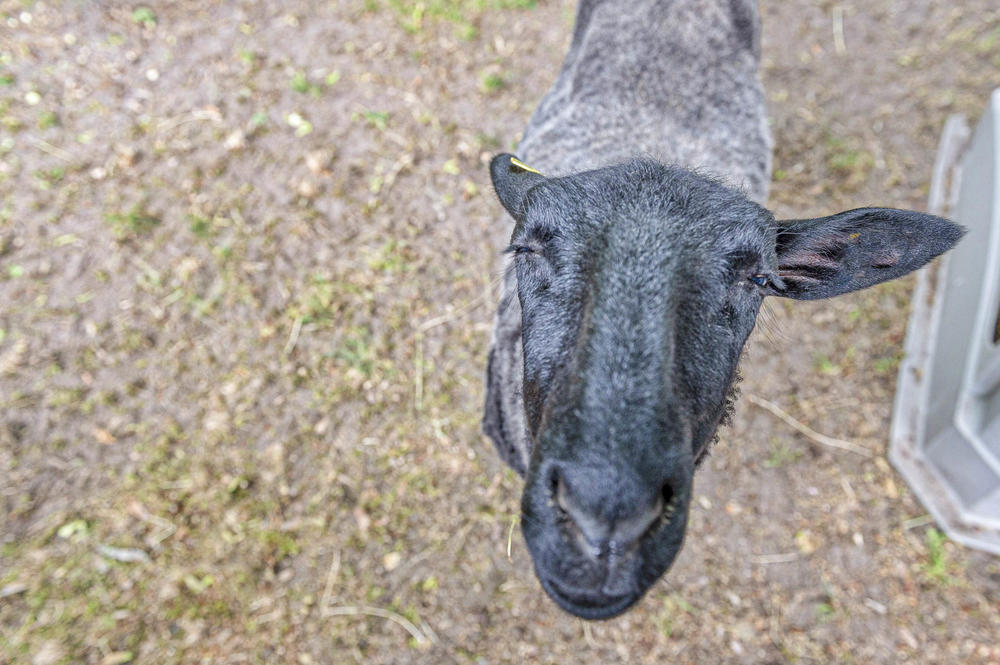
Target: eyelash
x: 519, y: 249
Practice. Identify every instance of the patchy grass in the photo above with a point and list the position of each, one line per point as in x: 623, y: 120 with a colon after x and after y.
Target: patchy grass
x: 491, y: 82
x: 412, y: 15
x: 887, y: 364
x: 316, y: 303
x: 48, y: 120
x: 300, y: 83
x: 939, y: 567
x: 377, y: 119
x: 201, y: 227
x: 394, y: 256
x: 673, y: 614
x: 144, y: 16
x: 132, y: 224
x: 782, y: 454
x: 241, y: 386
x: 356, y: 352
x: 824, y: 365
x: 825, y: 611
x: 846, y: 159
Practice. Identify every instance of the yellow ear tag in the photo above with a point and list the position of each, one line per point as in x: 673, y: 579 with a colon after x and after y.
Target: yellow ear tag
x: 521, y: 165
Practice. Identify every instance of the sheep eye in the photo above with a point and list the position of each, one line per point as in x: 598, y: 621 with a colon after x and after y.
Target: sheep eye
x: 759, y: 280
x: 520, y: 249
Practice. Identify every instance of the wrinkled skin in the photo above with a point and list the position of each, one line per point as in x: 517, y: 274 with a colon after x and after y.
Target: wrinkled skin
x: 629, y: 295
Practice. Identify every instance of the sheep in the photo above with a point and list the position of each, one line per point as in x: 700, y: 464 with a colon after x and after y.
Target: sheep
x: 636, y: 268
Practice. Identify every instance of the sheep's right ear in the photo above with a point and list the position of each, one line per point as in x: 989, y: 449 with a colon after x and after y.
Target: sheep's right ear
x: 512, y: 179
x: 828, y: 256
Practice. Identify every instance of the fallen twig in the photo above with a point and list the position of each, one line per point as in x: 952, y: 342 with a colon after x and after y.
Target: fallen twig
x: 47, y: 147
x: 123, y: 554
x: 293, y: 337
x: 197, y: 115
x: 418, y: 371
x: 510, y: 535
x: 807, y: 431
x: 363, y: 610
x: 429, y: 632
x: 13, y: 590
x: 768, y: 559
x: 838, y: 30
x: 331, y: 576
x: 915, y: 522
x: 167, y: 528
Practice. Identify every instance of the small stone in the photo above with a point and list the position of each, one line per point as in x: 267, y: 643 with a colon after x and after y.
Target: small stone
x: 392, y: 560
x: 103, y: 436
x: 306, y: 189
x: 317, y: 161
x: 236, y: 140
x: 32, y: 98
x: 908, y: 637
x: 805, y: 541
x: 152, y: 74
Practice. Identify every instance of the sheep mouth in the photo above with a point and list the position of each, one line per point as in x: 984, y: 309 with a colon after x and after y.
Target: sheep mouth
x: 597, y: 587
x: 588, y: 604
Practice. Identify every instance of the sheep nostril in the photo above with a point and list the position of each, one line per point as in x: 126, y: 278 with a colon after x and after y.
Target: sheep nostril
x: 554, y: 484
x: 561, y: 495
x: 667, y: 493
x: 669, y: 504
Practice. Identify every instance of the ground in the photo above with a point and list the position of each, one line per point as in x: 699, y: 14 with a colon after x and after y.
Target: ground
x: 247, y: 265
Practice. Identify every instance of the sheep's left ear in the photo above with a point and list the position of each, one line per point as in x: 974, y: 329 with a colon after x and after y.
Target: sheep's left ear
x: 828, y: 256
x: 512, y: 179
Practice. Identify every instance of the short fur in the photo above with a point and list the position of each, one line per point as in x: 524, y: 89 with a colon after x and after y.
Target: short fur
x: 632, y: 284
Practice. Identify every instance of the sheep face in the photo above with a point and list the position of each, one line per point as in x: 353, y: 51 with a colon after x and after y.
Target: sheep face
x: 638, y: 286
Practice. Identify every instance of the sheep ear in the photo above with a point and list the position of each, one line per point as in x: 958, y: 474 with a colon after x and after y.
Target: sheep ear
x: 828, y: 256
x: 512, y: 179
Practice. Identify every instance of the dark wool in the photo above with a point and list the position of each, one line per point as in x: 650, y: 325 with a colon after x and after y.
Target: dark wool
x: 636, y: 268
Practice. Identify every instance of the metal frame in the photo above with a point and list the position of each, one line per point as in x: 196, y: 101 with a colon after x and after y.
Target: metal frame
x: 945, y: 436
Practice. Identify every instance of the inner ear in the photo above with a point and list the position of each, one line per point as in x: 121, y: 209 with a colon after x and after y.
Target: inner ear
x: 828, y: 256
x: 512, y: 180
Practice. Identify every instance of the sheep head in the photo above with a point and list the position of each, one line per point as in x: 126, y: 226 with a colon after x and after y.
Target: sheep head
x: 638, y: 286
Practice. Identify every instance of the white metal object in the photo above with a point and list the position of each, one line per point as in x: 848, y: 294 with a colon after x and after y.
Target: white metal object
x: 945, y: 436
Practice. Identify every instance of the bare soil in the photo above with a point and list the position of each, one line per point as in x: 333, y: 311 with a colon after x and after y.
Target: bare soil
x: 247, y: 269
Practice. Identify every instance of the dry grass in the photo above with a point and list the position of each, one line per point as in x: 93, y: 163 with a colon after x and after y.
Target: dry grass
x: 247, y: 252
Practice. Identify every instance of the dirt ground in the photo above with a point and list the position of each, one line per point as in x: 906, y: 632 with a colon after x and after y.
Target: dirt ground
x: 247, y: 261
